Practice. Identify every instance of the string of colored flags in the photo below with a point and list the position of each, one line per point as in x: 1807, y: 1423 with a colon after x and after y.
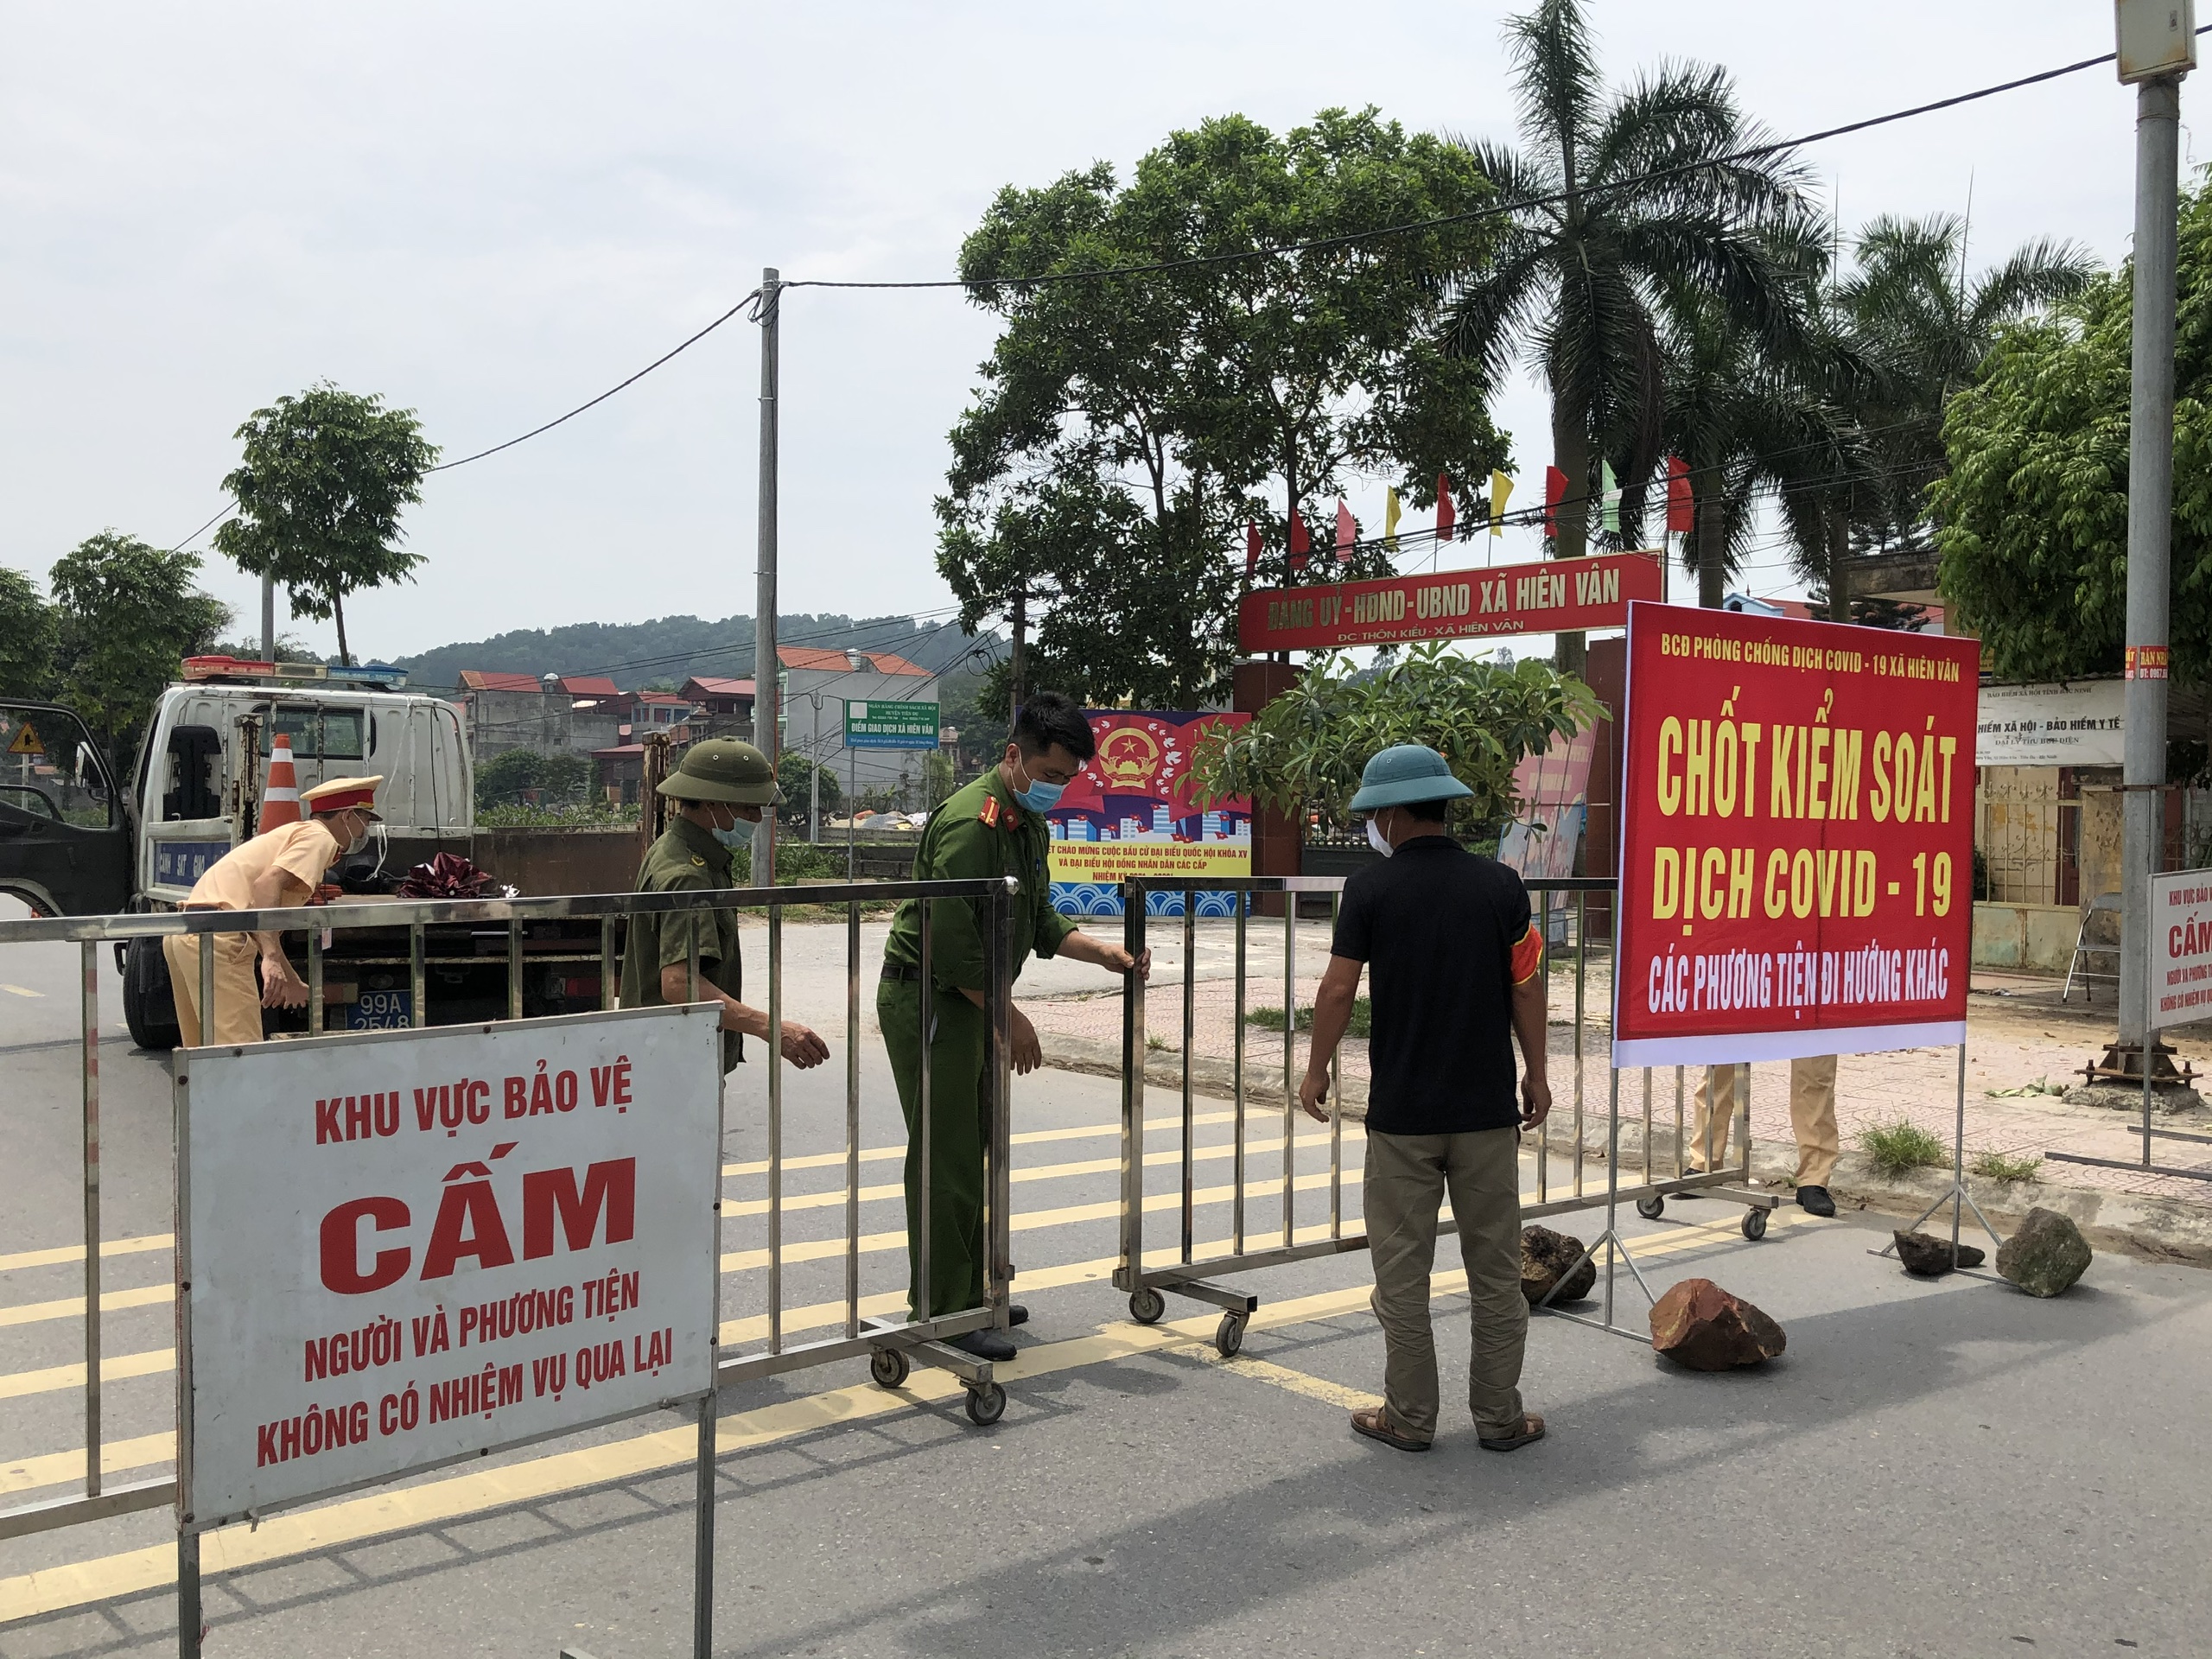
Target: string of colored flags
x: 1681, y: 515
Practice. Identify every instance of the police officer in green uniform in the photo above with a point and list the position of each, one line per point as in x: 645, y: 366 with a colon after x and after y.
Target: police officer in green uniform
x: 718, y: 787
x: 993, y: 827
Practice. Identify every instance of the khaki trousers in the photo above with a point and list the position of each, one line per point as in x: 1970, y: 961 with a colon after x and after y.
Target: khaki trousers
x: 1406, y: 1178
x: 238, y: 993
x: 1812, y: 1117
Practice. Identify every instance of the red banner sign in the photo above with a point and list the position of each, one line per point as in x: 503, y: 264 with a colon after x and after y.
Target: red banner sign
x: 1797, y: 841
x: 1543, y: 598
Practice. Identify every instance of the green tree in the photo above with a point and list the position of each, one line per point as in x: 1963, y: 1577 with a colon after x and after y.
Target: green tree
x: 508, y: 778
x: 28, y: 629
x: 1127, y: 427
x: 1639, y: 201
x: 2031, y: 515
x: 127, y: 614
x: 320, y: 489
x: 794, y: 776
x: 1305, y: 750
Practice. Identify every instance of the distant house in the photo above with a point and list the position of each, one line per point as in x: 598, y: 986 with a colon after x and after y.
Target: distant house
x: 817, y: 684
x: 546, y: 713
x: 725, y: 699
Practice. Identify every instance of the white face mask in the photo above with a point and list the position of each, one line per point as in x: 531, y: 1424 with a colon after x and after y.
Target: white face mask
x: 1377, y: 840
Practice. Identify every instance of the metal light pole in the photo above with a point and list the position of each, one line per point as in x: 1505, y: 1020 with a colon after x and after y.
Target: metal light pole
x: 764, y: 667
x: 2157, y: 47
x: 814, y: 773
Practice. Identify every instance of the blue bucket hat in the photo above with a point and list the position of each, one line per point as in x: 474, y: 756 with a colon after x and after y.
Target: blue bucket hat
x: 1405, y: 773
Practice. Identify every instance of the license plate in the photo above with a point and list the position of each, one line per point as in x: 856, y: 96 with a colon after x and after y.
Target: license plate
x: 381, y: 1010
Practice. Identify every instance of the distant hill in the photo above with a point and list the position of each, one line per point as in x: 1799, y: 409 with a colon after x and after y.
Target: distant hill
x: 674, y: 648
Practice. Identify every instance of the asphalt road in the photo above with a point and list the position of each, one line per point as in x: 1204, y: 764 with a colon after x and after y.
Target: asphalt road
x: 1941, y: 1469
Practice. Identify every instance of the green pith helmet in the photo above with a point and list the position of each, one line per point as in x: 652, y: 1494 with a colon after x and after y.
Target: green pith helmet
x: 1406, y: 774
x: 723, y: 769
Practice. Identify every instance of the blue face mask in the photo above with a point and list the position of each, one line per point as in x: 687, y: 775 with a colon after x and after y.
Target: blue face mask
x: 1040, y: 796
x: 738, y: 835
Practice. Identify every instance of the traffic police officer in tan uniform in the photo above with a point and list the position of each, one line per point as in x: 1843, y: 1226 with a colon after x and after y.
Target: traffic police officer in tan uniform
x: 278, y: 869
x: 993, y: 827
x: 719, y: 788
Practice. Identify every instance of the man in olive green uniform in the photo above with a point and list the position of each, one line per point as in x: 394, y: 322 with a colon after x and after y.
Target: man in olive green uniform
x: 719, y: 785
x: 993, y: 827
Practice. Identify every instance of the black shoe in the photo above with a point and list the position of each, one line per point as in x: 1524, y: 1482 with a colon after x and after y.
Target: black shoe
x: 1815, y: 1201
x: 987, y: 1343
x: 1017, y: 1313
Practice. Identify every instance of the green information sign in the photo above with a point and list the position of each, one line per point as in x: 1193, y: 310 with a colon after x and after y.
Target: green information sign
x: 877, y: 724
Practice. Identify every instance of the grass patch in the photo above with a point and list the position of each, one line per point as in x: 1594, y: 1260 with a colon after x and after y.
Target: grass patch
x: 1270, y: 1018
x: 1155, y: 1042
x: 1898, y: 1148
x: 1997, y: 1166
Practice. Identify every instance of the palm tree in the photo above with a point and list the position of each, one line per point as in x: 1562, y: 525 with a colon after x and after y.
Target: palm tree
x: 1924, y: 328
x: 1632, y: 195
x: 1752, y: 423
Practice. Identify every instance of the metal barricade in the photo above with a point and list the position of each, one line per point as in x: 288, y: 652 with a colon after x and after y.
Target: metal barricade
x: 890, y: 1345
x: 1561, y: 907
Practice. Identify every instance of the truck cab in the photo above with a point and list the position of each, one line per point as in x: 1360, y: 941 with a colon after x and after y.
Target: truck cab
x: 205, y: 764
x: 75, y: 840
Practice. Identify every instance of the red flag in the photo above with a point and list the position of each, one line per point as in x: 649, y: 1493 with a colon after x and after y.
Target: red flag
x: 1251, y: 549
x: 1298, y: 544
x: 1444, y: 512
x: 1555, y: 492
x: 1682, y: 508
x: 1347, y: 532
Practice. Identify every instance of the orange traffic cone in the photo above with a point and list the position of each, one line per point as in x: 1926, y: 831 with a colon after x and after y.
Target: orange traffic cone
x: 280, y: 800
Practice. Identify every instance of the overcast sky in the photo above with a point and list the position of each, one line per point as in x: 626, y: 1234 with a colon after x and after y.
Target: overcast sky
x: 488, y: 213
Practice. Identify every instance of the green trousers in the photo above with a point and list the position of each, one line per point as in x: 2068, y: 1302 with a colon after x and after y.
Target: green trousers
x: 959, y: 1102
x: 1406, y: 1177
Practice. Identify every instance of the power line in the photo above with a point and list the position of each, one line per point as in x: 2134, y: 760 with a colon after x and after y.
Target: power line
x: 447, y: 467
x: 1489, y: 210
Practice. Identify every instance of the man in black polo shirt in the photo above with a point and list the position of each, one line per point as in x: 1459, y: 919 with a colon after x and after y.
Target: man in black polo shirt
x: 1458, y: 976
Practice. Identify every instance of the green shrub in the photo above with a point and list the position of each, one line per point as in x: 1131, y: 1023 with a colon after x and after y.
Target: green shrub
x: 1898, y: 1148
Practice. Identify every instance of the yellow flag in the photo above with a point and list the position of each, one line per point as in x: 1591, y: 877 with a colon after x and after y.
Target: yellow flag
x: 1390, y: 510
x: 1500, y: 489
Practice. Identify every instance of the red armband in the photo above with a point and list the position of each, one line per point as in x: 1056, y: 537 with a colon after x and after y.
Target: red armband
x: 1527, y: 956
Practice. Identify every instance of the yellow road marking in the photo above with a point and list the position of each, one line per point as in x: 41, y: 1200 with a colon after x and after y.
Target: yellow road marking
x: 67, y: 1253
x: 23, y: 991
x: 349, y: 1522
x: 114, y: 1368
x: 71, y: 1308
x: 63, y: 1254
x: 57, y: 1467
x: 77, y: 1583
x: 1313, y: 1388
x: 1027, y: 1138
x: 116, y: 1457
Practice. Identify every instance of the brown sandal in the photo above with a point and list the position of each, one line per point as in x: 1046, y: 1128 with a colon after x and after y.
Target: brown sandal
x: 1532, y: 1428
x: 1374, y: 1421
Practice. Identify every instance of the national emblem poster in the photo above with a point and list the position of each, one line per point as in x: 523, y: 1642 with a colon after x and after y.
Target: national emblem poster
x: 1131, y: 813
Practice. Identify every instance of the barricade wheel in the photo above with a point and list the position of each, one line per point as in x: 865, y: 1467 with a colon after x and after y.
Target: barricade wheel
x: 887, y: 1366
x: 1146, y: 1305
x: 986, y: 1405
x: 1754, y: 1223
x: 1652, y: 1208
x: 1229, y: 1338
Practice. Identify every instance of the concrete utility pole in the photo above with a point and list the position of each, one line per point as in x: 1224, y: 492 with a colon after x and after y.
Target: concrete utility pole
x: 268, y: 618
x: 765, y: 666
x: 2157, y: 48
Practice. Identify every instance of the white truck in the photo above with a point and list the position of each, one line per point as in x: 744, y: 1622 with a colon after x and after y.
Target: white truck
x: 75, y: 841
